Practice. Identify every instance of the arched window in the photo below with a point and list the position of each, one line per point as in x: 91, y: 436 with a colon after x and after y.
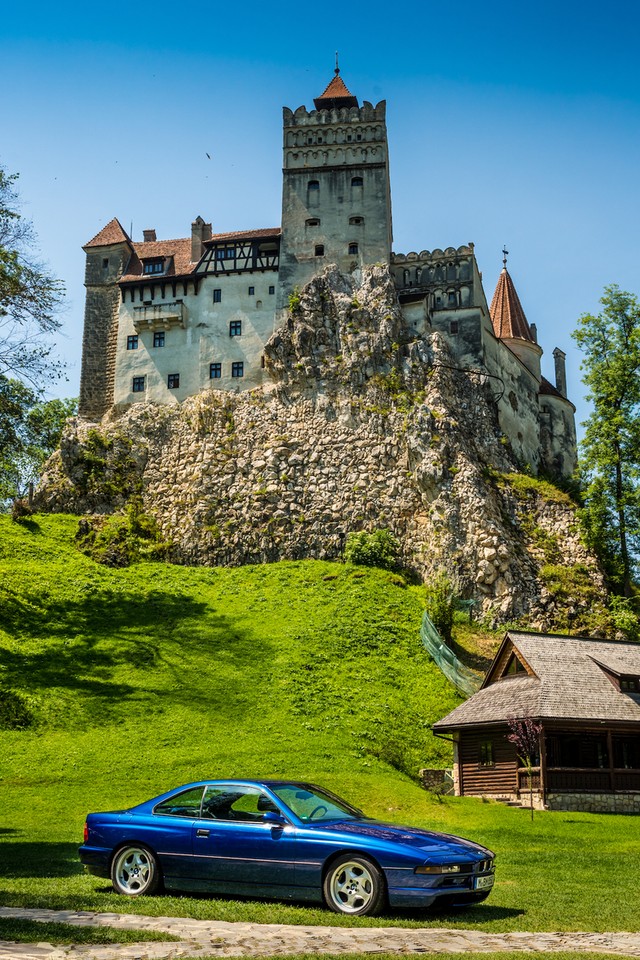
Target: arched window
x: 319, y: 250
x: 356, y: 181
x: 418, y: 274
x: 405, y: 278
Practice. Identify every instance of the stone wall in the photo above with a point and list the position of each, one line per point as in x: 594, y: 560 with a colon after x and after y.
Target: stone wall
x: 361, y: 427
x: 594, y: 802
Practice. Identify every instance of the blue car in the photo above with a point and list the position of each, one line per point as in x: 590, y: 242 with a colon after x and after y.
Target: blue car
x: 275, y: 838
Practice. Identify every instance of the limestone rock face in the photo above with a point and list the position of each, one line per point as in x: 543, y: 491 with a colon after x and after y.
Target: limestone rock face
x: 362, y: 426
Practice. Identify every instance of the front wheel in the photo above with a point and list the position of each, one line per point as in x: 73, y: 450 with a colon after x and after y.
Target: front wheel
x: 355, y: 886
x: 135, y: 871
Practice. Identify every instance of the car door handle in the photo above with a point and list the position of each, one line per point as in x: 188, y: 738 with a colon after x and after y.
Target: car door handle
x: 202, y: 833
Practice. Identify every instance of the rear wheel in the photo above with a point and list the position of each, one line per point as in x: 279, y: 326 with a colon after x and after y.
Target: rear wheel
x: 135, y: 871
x: 355, y: 886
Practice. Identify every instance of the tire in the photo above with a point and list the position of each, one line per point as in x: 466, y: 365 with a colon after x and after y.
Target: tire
x: 353, y: 885
x: 135, y: 871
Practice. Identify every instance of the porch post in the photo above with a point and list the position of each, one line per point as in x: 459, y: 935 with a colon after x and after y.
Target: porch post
x: 612, y: 775
x: 543, y: 765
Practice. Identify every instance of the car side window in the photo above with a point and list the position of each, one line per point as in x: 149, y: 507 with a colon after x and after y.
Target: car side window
x: 236, y: 804
x: 185, y: 804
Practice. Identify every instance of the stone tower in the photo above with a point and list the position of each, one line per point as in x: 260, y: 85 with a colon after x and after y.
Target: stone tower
x: 107, y: 257
x: 336, y: 197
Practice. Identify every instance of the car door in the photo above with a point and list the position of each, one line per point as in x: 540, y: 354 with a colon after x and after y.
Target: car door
x: 169, y: 831
x: 235, y: 848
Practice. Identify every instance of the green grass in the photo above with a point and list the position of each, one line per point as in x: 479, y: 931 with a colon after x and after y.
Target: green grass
x: 506, y: 955
x: 33, y: 931
x: 140, y: 679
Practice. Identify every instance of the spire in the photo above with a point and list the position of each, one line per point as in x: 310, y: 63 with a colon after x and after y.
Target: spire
x: 336, y: 93
x: 507, y: 315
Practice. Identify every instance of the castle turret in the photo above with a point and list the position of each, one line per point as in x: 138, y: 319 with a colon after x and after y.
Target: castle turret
x: 107, y: 257
x: 336, y: 198
x: 510, y: 324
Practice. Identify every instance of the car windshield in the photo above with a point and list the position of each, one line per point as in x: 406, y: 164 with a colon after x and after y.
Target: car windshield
x: 312, y: 805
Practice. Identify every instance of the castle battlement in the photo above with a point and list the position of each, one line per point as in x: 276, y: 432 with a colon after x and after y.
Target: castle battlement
x: 367, y: 113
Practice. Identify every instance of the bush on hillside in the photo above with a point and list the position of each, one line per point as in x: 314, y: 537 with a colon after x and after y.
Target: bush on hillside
x: 441, y: 604
x: 377, y: 549
x: 14, y: 713
x: 123, y: 538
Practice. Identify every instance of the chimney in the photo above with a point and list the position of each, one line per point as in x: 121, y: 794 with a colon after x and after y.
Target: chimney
x: 200, y: 231
x: 561, y: 372
x: 149, y: 236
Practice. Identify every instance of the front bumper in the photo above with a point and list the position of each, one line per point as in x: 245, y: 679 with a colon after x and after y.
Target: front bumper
x: 408, y: 889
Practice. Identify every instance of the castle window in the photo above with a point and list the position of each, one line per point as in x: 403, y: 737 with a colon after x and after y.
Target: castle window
x: 132, y: 342
x: 356, y: 221
x: 452, y: 298
x: 258, y: 304
x: 313, y: 193
x: 252, y: 290
x: 313, y: 222
x: 453, y: 327
x: 154, y: 266
x: 137, y: 385
x: 217, y: 296
x: 225, y: 253
x: 173, y: 381
x: 358, y: 136
x: 105, y: 263
x: 319, y: 250
x: 272, y: 290
x: 237, y: 369
x: 353, y: 249
x: 158, y: 339
x: 348, y: 138
x: 235, y: 328
x: 215, y: 371
x: 486, y: 754
x: 262, y: 363
x: 357, y: 181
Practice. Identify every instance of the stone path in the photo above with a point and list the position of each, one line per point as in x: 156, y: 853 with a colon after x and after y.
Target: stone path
x: 219, y: 938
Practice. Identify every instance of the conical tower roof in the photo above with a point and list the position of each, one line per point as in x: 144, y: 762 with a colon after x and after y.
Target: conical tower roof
x: 336, y: 94
x: 507, y: 315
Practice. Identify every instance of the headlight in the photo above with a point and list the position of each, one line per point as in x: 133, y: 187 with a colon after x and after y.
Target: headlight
x: 438, y: 868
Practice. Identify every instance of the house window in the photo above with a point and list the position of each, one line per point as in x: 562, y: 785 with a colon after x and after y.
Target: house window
x: 235, y: 328
x: 137, y: 385
x: 237, y: 369
x: 215, y: 371
x: 353, y: 249
x: 272, y: 290
x: 486, y: 754
x: 319, y: 250
x: 453, y: 326
x: 630, y: 684
x: 217, y: 296
x: 154, y: 266
x: 514, y: 665
x: 158, y: 339
x: 225, y: 253
x: 132, y: 342
x: 173, y: 381
x: 252, y: 290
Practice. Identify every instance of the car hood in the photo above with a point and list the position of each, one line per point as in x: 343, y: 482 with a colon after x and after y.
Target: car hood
x: 427, y: 841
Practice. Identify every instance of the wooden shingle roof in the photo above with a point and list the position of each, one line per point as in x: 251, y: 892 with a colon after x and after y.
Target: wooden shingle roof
x: 569, y: 684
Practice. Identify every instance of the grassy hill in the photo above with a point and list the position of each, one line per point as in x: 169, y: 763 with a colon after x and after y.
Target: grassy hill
x: 123, y: 683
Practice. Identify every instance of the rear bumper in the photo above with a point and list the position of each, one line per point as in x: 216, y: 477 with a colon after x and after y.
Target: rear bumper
x: 96, y: 860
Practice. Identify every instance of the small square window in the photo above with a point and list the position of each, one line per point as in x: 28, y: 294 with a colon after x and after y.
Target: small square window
x: 215, y: 371
x: 235, y: 328
x: 173, y: 381
x: 252, y: 290
x: 158, y: 339
x: 217, y: 296
x: 132, y: 342
x: 319, y: 251
x: 353, y: 249
x: 272, y: 290
x: 138, y: 385
x: 237, y: 369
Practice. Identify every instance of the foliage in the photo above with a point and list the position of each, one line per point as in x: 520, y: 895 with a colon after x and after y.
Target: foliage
x: 610, y: 456
x: 294, y: 300
x: 441, y: 604
x: 29, y: 297
x: 548, y: 489
x: 30, y: 430
x: 377, y: 549
x: 524, y: 734
x: 14, y: 712
x: 123, y: 538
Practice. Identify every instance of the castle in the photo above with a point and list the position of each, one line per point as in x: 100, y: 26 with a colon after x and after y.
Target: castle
x: 166, y: 319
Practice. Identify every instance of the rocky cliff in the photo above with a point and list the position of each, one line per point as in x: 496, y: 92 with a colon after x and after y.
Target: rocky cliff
x: 364, y: 426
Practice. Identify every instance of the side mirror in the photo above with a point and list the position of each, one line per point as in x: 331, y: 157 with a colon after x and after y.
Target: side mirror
x: 275, y: 819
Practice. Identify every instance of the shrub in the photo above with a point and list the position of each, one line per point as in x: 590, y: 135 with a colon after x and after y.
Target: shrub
x: 377, y: 549
x: 14, y: 713
x: 20, y: 510
x: 441, y: 604
x: 122, y: 538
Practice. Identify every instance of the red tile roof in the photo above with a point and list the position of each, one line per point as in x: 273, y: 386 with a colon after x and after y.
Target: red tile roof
x: 336, y: 94
x: 548, y: 388
x: 112, y: 233
x: 178, y: 252
x: 507, y: 315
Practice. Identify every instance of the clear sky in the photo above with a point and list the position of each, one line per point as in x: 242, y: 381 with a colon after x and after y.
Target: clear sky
x: 509, y: 123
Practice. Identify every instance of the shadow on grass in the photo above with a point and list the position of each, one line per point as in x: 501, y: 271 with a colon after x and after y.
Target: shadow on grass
x: 39, y: 859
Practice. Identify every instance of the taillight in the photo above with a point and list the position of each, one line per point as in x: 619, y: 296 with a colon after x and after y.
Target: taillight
x: 86, y: 832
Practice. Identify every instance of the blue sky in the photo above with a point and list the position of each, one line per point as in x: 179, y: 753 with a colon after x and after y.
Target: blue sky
x: 508, y: 124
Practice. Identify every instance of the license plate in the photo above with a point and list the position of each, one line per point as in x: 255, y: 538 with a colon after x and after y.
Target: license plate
x: 484, y: 883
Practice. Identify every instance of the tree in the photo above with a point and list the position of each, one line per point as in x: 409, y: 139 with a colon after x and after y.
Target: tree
x: 29, y: 297
x: 525, y: 735
x: 30, y: 430
x: 610, y: 459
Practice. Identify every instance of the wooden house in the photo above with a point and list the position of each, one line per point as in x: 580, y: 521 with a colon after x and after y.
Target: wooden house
x: 586, y: 695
